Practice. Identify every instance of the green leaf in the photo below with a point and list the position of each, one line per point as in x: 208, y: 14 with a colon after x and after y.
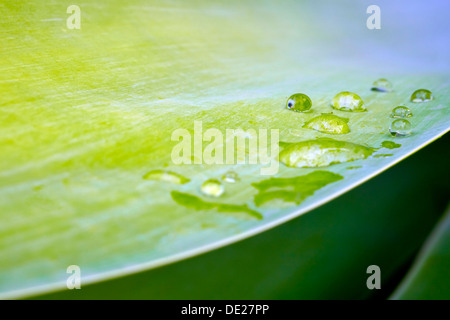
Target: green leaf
x: 320, y: 255
x: 86, y: 114
x: 428, y: 277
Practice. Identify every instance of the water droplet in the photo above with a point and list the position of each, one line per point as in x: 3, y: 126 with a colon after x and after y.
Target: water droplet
x: 422, y: 95
x: 299, y: 102
x: 382, y: 85
x: 401, y: 112
x: 328, y: 123
x: 390, y: 145
x: 167, y: 176
x: 212, y: 187
x: 400, y: 127
x: 322, y: 152
x: 293, y: 190
x: 348, y: 101
x: 190, y: 201
x: 230, y: 177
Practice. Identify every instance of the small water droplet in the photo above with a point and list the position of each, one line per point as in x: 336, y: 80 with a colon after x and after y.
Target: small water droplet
x: 328, y: 123
x: 422, y: 95
x: 401, y: 112
x: 382, y: 85
x: 167, y: 176
x: 299, y: 102
x: 400, y: 127
x: 348, y: 101
x: 230, y: 177
x: 212, y: 187
x: 322, y: 152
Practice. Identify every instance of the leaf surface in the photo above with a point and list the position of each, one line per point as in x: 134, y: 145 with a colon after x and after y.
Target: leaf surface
x: 86, y: 114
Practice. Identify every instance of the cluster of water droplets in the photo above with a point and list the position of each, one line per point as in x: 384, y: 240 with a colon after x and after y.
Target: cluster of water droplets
x: 325, y: 152
x: 215, y: 188
x: 318, y: 152
x: 401, y: 126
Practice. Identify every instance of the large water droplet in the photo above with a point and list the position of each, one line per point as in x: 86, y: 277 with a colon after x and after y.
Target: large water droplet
x: 401, y: 112
x: 400, y: 127
x: 328, y: 123
x: 299, y: 102
x: 212, y: 188
x: 322, y: 152
x: 167, y: 176
x: 422, y: 95
x: 348, y: 101
x: 230, y: 177
x: 382, y: 85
